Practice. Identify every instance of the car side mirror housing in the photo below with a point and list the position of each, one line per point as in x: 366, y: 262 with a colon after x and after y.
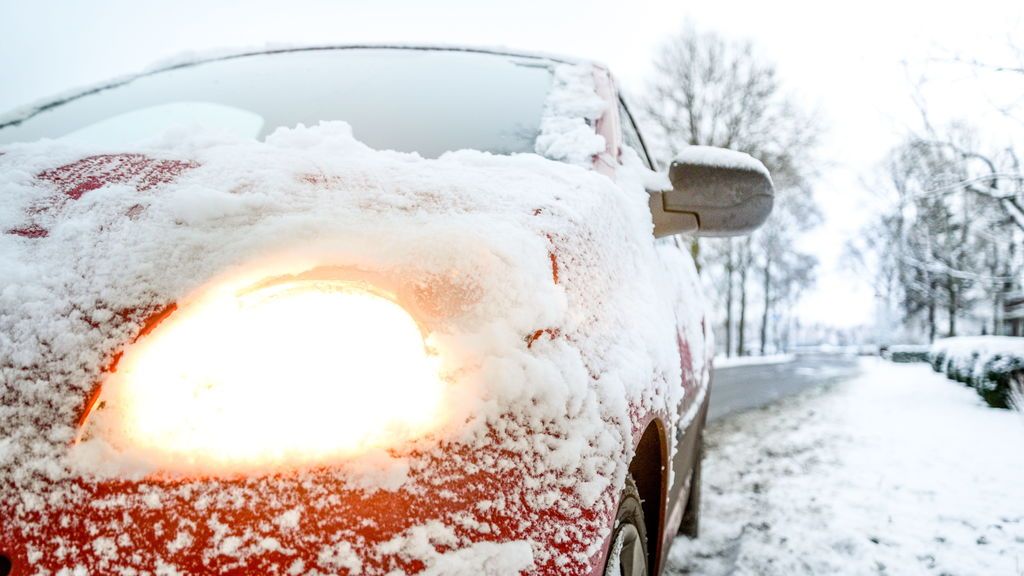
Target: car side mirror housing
x: 715, y: 192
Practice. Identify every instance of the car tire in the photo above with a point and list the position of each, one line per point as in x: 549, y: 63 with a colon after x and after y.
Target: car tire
x: 627, y: 549
x: 690, y: 524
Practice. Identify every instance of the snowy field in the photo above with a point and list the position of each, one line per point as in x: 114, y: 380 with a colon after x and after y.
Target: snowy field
x: 899, y: 471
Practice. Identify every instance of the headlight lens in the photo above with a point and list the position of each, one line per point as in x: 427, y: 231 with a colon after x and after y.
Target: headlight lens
x: 294, y: 372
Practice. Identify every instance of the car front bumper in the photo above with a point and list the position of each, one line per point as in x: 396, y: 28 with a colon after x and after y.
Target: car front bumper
x: 314, y: 522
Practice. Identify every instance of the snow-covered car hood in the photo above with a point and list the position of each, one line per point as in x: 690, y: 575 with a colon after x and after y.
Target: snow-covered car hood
x: 537, y: 279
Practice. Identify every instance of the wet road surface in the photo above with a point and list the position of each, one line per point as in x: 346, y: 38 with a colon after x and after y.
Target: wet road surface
x: 738, y: 388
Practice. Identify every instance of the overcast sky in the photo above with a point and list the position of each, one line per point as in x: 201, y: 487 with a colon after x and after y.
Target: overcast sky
x: 854, y: 62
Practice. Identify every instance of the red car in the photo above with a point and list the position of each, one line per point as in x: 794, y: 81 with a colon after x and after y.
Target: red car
x: 456, y: 335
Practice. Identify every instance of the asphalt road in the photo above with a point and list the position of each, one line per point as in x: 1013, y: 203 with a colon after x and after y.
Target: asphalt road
x: 738, y: 388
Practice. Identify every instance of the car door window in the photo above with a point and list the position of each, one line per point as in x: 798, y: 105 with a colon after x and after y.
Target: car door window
x: 631, y: 136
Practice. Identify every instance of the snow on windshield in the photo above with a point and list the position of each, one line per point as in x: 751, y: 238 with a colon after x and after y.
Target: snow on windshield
x: 409, y: 100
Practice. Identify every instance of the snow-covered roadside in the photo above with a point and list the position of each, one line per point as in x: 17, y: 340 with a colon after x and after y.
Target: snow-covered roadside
x: 992, y: 365
x: 729, y: 362
x: 899, y: 471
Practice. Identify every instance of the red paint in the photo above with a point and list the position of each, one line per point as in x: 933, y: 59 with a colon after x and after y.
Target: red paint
x: 551, y: 332
x: 151, y: 322
x: 554, y: 259
x: 155, y: 319
x: 74, y: 180
x: 30, y: 231
x: 366, y: 519
x: 144, y: 173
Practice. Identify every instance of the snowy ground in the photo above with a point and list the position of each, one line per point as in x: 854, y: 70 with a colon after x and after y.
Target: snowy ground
x: 899, y: 471
x: 727, y: 362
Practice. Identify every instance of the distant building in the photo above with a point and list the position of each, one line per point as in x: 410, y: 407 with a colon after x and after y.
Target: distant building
x: 1013, y: 313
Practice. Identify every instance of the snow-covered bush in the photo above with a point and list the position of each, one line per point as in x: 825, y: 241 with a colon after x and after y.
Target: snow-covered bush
x: 1017, y: 392
x: 906, y: 353
x: 1000, y: 375
x: 992, y: 365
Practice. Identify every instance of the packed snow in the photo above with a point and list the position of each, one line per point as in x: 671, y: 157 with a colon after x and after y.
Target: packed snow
x: 722, y: 361
x: 538, y: 285
x: 721, y: 157
x: 567, y: 127
x: 912, y: 348
x: 899, y: 471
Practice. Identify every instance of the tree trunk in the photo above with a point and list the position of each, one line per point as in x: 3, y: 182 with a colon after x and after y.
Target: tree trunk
x: 730, y: 268
x: 996, y: 294
x: 767, y: 304
x: 953, y: 305
x: 740, y: 344
x: 997, y: 312
x: 932, y: 328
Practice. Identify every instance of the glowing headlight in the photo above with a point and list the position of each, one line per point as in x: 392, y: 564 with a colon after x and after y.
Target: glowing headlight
x: 289, y: 373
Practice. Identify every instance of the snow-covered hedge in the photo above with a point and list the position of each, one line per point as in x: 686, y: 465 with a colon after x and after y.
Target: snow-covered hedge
x: 992, y: 365
x: 906, y: 353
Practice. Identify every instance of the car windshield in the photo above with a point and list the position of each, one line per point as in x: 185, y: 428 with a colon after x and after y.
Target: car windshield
x: 410, y: 100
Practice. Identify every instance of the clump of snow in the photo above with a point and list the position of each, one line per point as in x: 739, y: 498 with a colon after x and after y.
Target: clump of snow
x: 612, y: 567
x: 635, y: 166
x: 340, y: 556
x: 537, y: 282
x: 720, y: 157
x: 484, y: 558
x: 571, y: 111
x: 895, y: 472
x: 289, y: 520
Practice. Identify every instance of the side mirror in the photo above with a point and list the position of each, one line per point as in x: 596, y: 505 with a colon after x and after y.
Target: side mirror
x: 715, y: 192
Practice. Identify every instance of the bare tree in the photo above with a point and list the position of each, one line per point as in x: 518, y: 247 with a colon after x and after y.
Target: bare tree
x: 995, y: 175
x: 711, y: 91
x: 942, y: 246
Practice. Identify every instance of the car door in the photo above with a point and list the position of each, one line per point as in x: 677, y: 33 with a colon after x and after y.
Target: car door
x: 685, y: 297
x: 680, y: 275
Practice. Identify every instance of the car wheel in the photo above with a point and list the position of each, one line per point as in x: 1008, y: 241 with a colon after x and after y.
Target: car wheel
x: 627, y: 555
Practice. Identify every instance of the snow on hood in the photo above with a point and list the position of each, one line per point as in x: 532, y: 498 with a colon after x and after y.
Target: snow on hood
x: 551, y: 317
